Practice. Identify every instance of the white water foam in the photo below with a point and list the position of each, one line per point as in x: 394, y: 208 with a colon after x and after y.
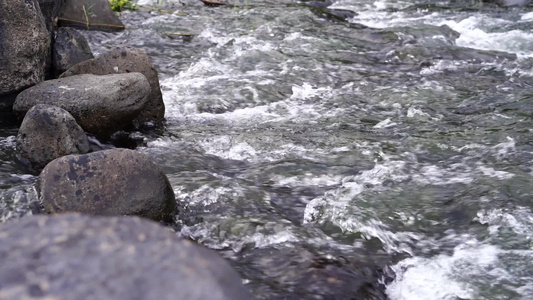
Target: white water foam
x: 443, y: 277
x: 336, y: 206
x: 477, y: 31
x: 519, y: 220
x: 474, y: 35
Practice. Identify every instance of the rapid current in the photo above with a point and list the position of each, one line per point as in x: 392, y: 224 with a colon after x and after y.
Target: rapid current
x: 385, y: 156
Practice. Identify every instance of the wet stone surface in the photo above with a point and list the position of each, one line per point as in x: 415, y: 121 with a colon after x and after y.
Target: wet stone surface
x: 101, y: 105
x: 49, y: 132
x: 81, y: 257
x: 127, y: 60
x: 110, y: 182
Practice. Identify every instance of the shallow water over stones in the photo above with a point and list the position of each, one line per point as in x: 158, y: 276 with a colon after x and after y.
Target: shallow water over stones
x: 391, y: 151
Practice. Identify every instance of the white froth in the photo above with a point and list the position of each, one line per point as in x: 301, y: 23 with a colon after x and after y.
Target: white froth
x: 505, y: 149
x: 527, y: 16
x: 226, y: 147
x: 443, y: 277
x: 519, y: 220
x: 434, y: 175
x: 333, y: 206
x: 307, y: 91
x: 385, y: 124
x: 474, y: 35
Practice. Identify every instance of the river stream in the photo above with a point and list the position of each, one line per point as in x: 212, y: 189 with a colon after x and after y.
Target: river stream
x: 385, y: 156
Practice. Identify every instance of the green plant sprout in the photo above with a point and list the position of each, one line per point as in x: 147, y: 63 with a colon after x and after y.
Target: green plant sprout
x: 120, y: 5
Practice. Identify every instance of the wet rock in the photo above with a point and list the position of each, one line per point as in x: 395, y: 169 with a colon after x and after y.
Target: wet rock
x: 110, y: 182
x: 323, y: 3
x: 333, y: 14
x: 49, y: 132
x: 24, y: 45
x: 509, y: 2
x: 308, y: 274
x: 69, y: 49
x: 126, y: 60
x: 82, y: 257
x: 100, y: 104
x: 50, y: 10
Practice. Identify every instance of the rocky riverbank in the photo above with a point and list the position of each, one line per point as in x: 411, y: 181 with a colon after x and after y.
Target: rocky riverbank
x: 102, y: 254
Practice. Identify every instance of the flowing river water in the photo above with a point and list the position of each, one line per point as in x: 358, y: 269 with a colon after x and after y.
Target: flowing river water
x: 385, y: 156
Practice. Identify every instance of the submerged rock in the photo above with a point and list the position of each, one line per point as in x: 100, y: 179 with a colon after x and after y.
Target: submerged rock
x: 308, y: 274
x: 100, y: 104
x: 127, y: 60
x: 83, y: 257
x: 49, y: 132
x: 110, y: 182
x: 509, y: 2
x: 69, y: 49
x: 24, y: 45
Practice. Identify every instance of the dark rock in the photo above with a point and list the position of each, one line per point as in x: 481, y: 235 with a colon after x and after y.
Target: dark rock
x: 305, y: 274
x: 342, y: 14
x: 50, y: 10
x: 100, y: 104
x: 120, y: 258
x: 69, y: 49
x: 110, y: 182
x: 49, y: 132
x: 509, y: 2
x: 332, y: 14
x: 24, y: 45
x: 126, y: 60
x: 323, y: 4
x: 7, y: 119
x: 6, y: 102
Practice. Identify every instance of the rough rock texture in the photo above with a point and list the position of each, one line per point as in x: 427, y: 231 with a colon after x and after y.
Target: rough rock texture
x: 49, y: 132
x: 122, y: 258
x: 24, y: 45
x: 110, y: 182
x: 313, y: 274
x: 69, y: 49
x: 100, y: 104
x: 126, y: 60
x: 50, y: 9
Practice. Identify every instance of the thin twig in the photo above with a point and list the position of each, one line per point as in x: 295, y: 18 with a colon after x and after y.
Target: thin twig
x: 86, y: 17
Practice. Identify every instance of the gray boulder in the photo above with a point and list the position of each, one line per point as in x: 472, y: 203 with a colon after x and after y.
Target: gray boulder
x: 110, y: 182
x: 126, y: 60
x: 49, y: 132
x: 24, y: 45
x: 100, y: 104
x: 122, y: 258
x: 69, y: 49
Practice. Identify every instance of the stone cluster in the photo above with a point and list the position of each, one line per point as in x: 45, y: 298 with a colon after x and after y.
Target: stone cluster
x: 67, y: 98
